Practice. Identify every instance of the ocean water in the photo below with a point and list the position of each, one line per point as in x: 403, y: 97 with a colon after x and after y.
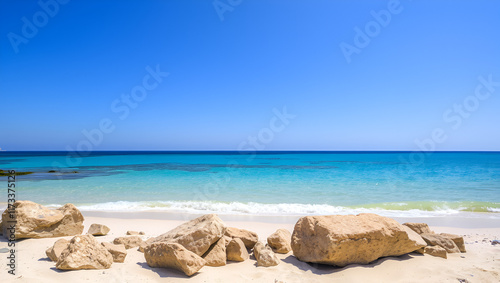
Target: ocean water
x: 401, y: 184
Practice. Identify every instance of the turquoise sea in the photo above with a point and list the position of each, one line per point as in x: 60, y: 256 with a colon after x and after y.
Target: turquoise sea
x: 402, y: 184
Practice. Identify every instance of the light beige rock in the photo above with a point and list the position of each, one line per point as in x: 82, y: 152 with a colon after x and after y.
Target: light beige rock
x: 227, y: 239
x: 420, y: 251
x: 442, y: 241
x: 435, y: 251
x: 344, y: 239
x: 142, y: 246
x: 257, y: 248
x: 414, y: 236
x: 458, y: 240
x: 98, y: 230
x: 420, y: 228
x: 135, y: 233
x: 129, y: 242
x: 280, y: 241
x: 37, y: 221
x: 216, y: 255
x: 236, y: 250
x: 56, y: 249
x: 117, y: 251
x: 265, y: 255
x: 173, y: 255
x: 84, y: 252
x: 196, y: 235
x: 249, y: 238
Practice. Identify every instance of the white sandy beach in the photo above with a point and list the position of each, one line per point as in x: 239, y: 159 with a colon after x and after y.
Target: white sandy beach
x: 481, y: 263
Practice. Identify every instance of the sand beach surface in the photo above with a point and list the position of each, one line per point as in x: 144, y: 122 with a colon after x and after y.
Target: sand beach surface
x: 481, y: 263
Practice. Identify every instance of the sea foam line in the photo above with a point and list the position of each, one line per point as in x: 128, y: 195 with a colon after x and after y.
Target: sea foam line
x: 252, y: 208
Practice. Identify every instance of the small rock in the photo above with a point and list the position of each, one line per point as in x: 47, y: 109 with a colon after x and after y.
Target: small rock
x: 129, y: 242
x: 84, y: 252
x: 280, y: 241
x: 495, y: 242
x: 420, y: 228
x: 216, y: 254
x: 458, y: 240
x: 98, y: 230
x: 135, y: 233
x: 236, y: 250
x: 265, y: 255
x: 142, y: 246
x: 55, y: 251
x: 117, y: 251
x: 173, y: 255
x: 442, y: 241
x: 436, y: 251
x: 249, y: 238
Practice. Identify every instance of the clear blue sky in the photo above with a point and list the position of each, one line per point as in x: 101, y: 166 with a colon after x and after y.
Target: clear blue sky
x: 226, y: 76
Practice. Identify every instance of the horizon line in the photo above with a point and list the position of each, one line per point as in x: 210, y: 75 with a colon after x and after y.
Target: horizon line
x: 253, y: 151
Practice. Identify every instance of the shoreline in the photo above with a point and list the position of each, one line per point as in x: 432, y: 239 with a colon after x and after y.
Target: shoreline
x: 468, y: 220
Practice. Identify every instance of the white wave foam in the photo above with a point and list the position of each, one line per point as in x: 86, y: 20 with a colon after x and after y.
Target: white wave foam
x: 289, y: 209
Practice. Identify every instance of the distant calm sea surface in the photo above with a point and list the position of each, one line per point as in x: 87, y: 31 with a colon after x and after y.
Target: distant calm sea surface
x: 266, y: 183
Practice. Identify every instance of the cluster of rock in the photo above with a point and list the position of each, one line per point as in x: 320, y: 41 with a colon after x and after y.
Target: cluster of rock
x: 333, y: 239
x: 207, y: 241
x: 85, y: 252
x: 437, y: 244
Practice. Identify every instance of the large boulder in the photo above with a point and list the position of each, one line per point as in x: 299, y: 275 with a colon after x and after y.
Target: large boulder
x: 196, y: 235
x: 37, y: 221
x: 216, y: 255
x: 265, y: 255
x: 420, y: 228
x: 236, y: 250
x: 117, y: 251
x: 458, y: 240
x: 128, y: 242
x: 344, y: 239
x: 442, y: 241
x: 84, y: 252
x: 249, y: 238
x: 280, y: 241
x: 55, y: 251
x: 98, y: 230
x: 173, y: 255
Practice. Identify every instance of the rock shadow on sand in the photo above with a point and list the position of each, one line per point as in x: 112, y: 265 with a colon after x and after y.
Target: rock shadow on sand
x: 321, y: 269
x: 166, y: 272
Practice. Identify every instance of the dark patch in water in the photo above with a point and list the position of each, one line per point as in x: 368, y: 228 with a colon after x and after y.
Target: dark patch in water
x: 9, y: 161
x: 96, y: 171
x: 347, y: 161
